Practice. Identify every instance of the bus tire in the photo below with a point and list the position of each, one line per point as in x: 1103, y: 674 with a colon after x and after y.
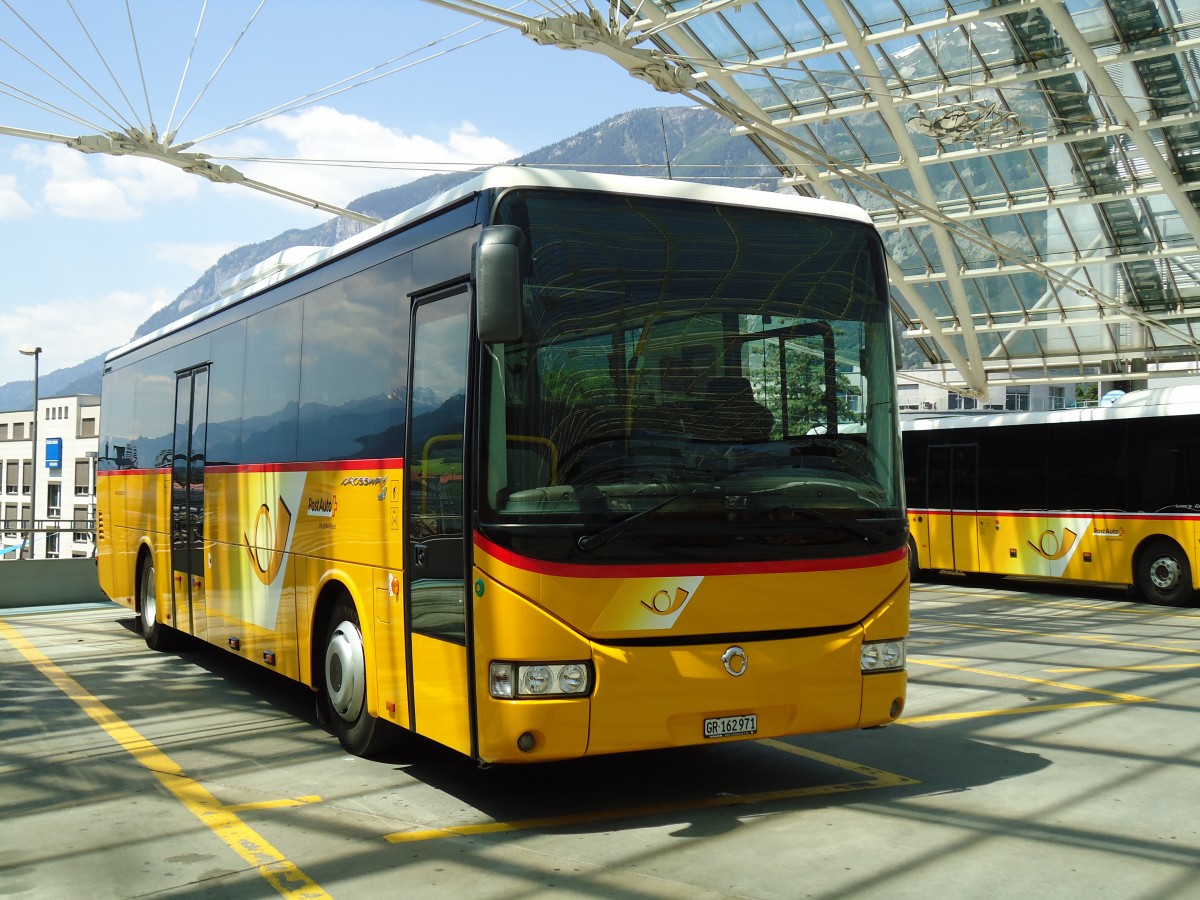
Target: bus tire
x: 157, y: 635
x: 344, y: 686
x: 915, y: 572
x: 1163, y: 574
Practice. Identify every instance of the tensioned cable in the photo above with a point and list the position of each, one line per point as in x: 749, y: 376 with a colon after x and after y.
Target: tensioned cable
x: 103, y: 61
x: 221, y: 64
x: 443, y: 165
x: 137, y: 55
x: 187, y: 64
x: 37, y: 102
x: 340, y: 87
x: 116, y: 118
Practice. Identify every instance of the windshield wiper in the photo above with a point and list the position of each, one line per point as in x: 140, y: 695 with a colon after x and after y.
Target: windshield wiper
x: 588, y: 542
x: 848, y: 526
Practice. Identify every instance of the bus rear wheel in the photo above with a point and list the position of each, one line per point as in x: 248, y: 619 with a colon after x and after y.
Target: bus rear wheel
x: 915, y: 572
x: 157, y: 635
x: 1164, y: 574
x: 345, y: 684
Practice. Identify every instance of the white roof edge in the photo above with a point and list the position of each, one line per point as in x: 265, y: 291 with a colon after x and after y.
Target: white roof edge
x: 271, y: 272
x: 1179, y: 399
x: 271, y: 266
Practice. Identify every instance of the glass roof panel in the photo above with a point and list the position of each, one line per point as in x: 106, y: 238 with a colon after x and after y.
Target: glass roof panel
x: 1032, y: 138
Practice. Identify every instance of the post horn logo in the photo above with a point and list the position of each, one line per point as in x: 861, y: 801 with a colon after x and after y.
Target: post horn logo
x: 1050, y: 547
x: 270, y: 541
x: 663, y: 604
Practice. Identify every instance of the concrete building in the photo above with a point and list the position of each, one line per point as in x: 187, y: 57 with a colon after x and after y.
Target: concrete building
x: 50, y: 493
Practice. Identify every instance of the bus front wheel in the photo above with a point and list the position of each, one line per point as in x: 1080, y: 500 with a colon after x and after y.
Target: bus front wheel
x: 157, y: 635
x: 345, y: 684
x: 1164, y: 574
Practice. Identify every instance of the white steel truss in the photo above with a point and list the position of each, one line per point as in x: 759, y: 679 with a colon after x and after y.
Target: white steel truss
x: 1082, y: 215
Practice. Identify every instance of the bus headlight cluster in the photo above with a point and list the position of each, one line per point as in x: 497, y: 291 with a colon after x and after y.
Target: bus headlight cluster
x: 522, y: 681
x: 882, y: 656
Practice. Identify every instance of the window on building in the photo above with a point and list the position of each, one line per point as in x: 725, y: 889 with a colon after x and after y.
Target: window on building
x: 83, y: 477
x: 4, y: 432
x: 18, y: 431
x: 87, y: 428
x: 26, y: 475
x: 1017, y: 397
x: 52, y: 545
x: 54, y: 500
x: 11, y: 476
x: 958, y: 401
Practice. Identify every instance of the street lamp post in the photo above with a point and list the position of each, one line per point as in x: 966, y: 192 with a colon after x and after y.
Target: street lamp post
x: 34, y: 351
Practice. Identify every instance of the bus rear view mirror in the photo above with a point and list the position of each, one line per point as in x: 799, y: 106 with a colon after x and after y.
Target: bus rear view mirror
x: 498, y: 283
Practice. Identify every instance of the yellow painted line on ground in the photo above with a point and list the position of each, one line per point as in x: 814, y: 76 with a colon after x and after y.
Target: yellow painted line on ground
x: 1155, y: 668
x: 1133, y: 609
x: 1009, y: 711
x: 1086, y: 638
x: 874, y: 778
x: 1114, y: 697
x: 280, y: 872
x: 1011, y: 676
x: 273, y: 804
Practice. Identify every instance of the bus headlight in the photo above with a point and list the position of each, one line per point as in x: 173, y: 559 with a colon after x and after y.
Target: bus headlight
x: 882, y: 656
x: 522, y: 681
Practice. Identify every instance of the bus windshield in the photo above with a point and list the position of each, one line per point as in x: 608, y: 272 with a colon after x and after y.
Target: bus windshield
x: 691, y: 375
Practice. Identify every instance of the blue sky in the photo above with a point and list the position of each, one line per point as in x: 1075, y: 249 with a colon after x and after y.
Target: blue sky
x: 93, y: 244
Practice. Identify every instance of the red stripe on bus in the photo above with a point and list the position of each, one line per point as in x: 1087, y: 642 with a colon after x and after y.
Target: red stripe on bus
x: 1057, y: 514
x: 577, y: 570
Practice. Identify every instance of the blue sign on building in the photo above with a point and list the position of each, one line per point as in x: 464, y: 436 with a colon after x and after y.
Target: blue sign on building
x: 53, y: 453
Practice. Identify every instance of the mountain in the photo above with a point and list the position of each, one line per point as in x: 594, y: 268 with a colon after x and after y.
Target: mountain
x: 696, y: 141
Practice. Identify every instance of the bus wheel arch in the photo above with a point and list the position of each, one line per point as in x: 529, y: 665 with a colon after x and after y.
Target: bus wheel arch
x: 340, y: 673
x: 1162, y: 573
x: 157, y: 635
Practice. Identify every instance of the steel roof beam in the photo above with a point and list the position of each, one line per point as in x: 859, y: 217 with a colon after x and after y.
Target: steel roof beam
x: 1065, y: 25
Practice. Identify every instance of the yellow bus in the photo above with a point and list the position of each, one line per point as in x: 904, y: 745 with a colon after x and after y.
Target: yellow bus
x: 553, y: 465
x: 1107, y: 494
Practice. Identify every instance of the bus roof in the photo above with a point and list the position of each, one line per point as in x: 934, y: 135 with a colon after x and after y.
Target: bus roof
x: 1177, y: 400
x: 293, y: 261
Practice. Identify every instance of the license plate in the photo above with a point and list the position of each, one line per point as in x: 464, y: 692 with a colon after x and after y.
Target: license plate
x: 730, y: 725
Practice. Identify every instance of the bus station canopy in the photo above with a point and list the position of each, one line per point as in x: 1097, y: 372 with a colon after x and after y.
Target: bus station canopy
x: 1034, y: 166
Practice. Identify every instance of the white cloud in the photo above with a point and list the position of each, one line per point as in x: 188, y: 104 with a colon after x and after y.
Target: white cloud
x: 107, y: 188
x: 12, y: 204
x: 323, y: 134
x: 74, y: 329
x: 80, y: 186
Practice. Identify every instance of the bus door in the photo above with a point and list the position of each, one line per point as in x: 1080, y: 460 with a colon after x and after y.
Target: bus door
x: 953, y: 504
x: 436, y: 521
x: 187, y: 501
